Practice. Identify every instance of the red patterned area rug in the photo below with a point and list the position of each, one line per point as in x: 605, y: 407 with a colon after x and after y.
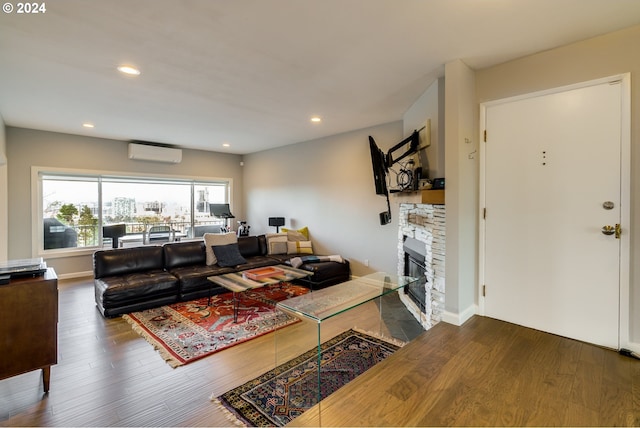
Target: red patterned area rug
x: 187, y: 331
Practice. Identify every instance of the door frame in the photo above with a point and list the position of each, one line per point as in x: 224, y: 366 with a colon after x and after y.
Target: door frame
x: 625, y: 193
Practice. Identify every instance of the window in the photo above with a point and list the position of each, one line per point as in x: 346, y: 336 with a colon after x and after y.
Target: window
x: 83, y: 211
x: 69, y: 212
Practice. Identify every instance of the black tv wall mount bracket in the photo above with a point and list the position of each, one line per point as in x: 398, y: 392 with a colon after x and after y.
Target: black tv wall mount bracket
x: 414, y: 142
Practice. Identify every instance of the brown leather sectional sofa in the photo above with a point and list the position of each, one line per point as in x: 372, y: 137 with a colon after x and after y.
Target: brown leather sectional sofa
x: 133, y: 279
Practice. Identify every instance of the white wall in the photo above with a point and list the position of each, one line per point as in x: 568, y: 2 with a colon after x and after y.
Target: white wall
x: 4, y: 195
x: 607, y: 55
x: 461, y: 192
x: 327, y: 185
x: 430, y: 105
x: 28, y: 147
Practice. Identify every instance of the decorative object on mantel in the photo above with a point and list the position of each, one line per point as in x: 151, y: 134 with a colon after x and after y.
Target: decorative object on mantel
x: 281, y: 394
x: 434, y: 197
x: 437, y: 184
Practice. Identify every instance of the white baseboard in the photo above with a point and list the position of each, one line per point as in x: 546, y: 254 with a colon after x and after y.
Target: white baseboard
x: 461, y: 317
x: 73, y: 275
x: 635, y: 347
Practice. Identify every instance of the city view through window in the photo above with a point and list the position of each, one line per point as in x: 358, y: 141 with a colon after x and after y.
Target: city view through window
x: 75, y: 209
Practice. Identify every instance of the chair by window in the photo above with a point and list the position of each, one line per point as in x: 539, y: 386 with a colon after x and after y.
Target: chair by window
x: 159, y: 233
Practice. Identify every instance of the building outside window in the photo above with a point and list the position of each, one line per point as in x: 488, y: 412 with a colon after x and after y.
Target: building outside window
x: 78, y: 210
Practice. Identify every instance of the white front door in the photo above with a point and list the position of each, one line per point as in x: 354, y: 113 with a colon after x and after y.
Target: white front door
x: 552, y: 181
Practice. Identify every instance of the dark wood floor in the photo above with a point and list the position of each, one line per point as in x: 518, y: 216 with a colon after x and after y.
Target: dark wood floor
x: 485, y: 373
x: 489, y: 373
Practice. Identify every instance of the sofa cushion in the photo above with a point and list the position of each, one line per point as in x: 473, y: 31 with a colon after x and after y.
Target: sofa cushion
x: 249, y: 246
x: 228, y: 255
x: 211, y: 239
x: 177, y: 254
x: 281, y: 258
x: 262, y: 240
x: 195, y: 277
x: 257, y: 262
x: 113, y: 291
x: 123, y: 261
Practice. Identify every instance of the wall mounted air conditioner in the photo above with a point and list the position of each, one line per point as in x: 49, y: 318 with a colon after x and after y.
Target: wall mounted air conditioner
x: 154, y: 153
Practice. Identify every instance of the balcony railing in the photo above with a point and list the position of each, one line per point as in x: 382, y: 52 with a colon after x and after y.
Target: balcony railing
x: 89, y: 236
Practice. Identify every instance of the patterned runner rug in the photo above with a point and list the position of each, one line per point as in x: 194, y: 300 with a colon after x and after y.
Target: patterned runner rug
x: 187, y: 331
x: 281, y: 394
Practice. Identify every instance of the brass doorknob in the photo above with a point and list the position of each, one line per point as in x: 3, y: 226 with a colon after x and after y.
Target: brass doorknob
x: 610, y: 230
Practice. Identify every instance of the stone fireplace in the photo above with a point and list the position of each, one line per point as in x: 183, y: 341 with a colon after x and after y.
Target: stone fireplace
x: 421, y: 252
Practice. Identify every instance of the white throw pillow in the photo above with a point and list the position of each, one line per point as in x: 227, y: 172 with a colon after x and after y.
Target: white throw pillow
x: 277, y: 243
x: 214, y: 239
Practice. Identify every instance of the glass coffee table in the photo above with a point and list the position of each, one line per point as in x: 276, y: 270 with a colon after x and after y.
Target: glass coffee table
x: 320, y: 306
x: 331, y: 301
x: 239, y: 282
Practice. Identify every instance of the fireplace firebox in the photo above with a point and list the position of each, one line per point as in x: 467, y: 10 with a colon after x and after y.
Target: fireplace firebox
x: 414, y: 266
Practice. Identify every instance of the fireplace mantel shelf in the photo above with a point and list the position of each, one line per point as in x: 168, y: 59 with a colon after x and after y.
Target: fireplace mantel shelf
x: 434, y: 197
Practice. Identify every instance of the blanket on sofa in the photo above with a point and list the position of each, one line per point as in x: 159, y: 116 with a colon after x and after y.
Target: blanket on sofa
x: 296, y: 262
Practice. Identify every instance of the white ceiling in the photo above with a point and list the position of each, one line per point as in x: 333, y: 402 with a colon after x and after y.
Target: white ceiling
x: 253, y: 72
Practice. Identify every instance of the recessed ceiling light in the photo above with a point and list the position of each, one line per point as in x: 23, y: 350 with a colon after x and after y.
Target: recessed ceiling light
x: 88, y: 125
x: 226, y: 145
x: 129, y: 70
x: 316, y: 119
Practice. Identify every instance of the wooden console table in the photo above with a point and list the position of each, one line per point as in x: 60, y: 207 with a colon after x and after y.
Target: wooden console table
x: 29, y: 325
